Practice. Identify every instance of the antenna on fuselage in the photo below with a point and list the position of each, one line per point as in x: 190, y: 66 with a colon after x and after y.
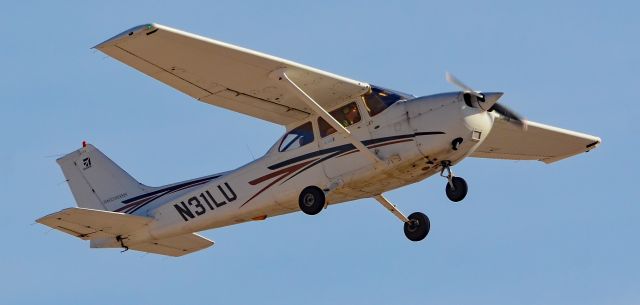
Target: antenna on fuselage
x: 250, y: 152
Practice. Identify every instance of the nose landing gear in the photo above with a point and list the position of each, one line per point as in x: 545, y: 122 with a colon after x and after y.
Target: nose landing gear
x: 456, y: 188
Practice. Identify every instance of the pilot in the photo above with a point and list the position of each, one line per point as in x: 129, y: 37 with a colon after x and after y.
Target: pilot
x: 350, y: 115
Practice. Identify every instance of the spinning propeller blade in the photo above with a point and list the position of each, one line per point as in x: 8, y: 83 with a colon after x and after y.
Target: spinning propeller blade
x: 510, y: 115
x: 456, y: 82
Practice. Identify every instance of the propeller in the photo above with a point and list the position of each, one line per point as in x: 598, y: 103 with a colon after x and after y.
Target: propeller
x: 508, y: 114
x: 456, y: 82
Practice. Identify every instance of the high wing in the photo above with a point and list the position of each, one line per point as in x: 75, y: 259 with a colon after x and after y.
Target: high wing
x: 225, y: 75
x: 538, y: 142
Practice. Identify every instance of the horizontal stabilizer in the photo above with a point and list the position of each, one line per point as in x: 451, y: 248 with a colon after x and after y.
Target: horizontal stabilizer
x: 175, y: 246
x: 91, y: 224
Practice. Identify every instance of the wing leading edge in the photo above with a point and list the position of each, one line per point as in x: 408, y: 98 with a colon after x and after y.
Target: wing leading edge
x: 538, y: 142
x: 225, y: 75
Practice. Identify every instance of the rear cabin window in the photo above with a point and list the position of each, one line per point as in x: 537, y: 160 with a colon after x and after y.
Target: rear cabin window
x: 346, y: 115
x: 378, y: 99
x: 297, y: 137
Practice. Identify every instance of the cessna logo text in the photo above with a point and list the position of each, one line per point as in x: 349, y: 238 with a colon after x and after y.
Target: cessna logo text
x: 205, y: 201
x: 86, y: 162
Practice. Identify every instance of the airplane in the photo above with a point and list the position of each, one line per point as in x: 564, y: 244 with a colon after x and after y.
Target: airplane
x: 344, y: 140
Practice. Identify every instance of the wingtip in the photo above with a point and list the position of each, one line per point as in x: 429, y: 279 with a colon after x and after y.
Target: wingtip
x: 130, y: 32
x: 594, y: 144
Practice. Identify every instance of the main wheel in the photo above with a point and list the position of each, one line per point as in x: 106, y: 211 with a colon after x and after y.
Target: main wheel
x: 311, y: 200
x: 459, y: 190
x: 418, y: 227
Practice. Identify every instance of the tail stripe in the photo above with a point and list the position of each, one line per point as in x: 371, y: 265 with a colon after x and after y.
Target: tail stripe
x: 149, y: 197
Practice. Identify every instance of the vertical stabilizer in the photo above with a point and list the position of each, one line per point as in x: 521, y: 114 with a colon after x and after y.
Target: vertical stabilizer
x: 97, y: 182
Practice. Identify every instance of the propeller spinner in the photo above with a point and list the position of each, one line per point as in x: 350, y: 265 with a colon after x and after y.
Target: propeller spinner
x: 487, y: 102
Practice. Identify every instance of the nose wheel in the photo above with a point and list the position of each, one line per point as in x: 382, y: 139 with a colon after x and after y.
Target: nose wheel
x: 456, y: 188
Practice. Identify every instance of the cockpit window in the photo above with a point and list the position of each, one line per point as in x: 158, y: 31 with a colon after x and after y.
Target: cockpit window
x: 297, y: 137
x: 346, y: 115
x: 378, y: 99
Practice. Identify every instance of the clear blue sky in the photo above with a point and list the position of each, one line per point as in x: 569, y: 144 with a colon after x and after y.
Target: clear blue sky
x: 528, y: 233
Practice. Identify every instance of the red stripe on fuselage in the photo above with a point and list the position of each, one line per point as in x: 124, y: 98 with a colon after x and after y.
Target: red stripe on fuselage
x: 283, y: 173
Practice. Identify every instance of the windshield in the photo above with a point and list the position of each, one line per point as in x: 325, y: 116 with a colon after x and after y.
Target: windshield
x: 379, y: 99
x: 297, y: 137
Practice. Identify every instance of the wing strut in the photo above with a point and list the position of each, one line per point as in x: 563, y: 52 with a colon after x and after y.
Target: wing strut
x: 281, y: 75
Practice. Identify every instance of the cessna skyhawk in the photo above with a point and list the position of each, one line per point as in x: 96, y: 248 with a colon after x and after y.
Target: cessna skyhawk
x: 344, y: 140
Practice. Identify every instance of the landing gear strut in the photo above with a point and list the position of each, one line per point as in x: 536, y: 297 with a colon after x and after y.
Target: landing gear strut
x: 456, y: 187
x: 416, y: 226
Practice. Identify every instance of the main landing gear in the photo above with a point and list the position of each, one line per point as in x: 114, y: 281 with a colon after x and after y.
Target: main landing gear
x: 311, y: 200
x: 416, y: 226
x: 456, y: 187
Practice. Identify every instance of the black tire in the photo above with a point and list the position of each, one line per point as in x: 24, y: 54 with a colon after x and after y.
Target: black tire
x: 418, y: 228
x: 459, y: 190
x: 311, y: 200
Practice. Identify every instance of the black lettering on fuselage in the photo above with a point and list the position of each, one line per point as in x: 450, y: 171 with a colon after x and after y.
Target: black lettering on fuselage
x: 206, y: 201
x: 184, y: 211
x: 218, y: 204
x: 195, y: 202
x: 199, y: 209
x: 234, y: 197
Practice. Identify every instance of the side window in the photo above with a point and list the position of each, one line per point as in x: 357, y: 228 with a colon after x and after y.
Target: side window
x: 346, y: 115
x: 297, y: 137
x: 377, y: 100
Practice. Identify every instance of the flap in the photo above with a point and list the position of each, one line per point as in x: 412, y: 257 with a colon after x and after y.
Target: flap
x: 538, y: 142
x: 90, y: 224
x: 225, y: 75
x: 175, y: 246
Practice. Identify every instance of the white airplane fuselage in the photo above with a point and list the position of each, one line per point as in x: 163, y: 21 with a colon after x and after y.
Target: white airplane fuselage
x: 411, y: 138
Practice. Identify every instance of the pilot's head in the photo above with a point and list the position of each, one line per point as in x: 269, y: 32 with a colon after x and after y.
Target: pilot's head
x: 350, y: 112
